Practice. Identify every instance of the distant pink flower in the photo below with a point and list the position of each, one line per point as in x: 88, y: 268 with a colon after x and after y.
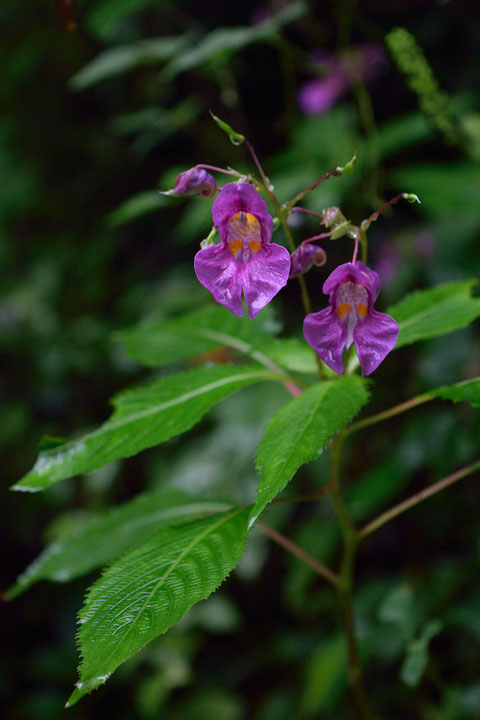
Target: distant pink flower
x: 195, y: 181
x: 350, y: 318
x: 245, y: 260
x: 319, y: 95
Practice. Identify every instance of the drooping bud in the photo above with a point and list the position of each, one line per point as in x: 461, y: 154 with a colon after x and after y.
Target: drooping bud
x: 304, y: 257
x: 335, y: 220
x: 195, y: 181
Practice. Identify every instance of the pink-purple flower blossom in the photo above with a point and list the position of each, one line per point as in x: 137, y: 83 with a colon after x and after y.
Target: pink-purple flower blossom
x: 305, y: 256
x: 363, y: 63
x: 195, y: 181
x: 351, y: 318
x: 245, y: 260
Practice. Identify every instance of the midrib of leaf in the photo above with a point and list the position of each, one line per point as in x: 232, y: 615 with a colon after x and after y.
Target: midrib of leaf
x: 128, y: 418
x: 163, y: 579
x: 237, y: 344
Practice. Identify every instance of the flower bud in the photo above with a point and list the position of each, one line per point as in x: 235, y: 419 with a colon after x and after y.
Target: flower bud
x: 304, y: 257
x: 195, y: 181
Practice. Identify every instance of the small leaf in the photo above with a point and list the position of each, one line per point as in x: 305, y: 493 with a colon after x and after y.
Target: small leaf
x: 299, y: 432
x: 147, y: 591
x: 143, y: 417
x: 235, y: 138
x: 437, y: 311
x: 112, y: 534
x: 467, y: 391
x: 196, y: 333
x: 416, y: 659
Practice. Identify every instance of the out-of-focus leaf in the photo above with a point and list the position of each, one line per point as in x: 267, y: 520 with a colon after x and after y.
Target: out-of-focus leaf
x: 399, y: 608
x: 106, y: 15
x: 148, y: 590
x: 404, y: 131
x: 199, y: 332
x: 291, y: 354
x: 140, y: 204
x: 119, y: 60
x: 444, y: 189
x: 416, y: 659
x: 299, y: 432
x: 326, y: 672
x: 223, y: 42
x: 112, y: 534
x: 143, y: 417
x: 436, y: 311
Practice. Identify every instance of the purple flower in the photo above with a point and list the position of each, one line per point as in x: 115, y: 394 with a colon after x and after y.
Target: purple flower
x: 195, y: 181
x: 363, y: 63
x: 304, y: 257
x: 351, y: 318
x: 245, y: 259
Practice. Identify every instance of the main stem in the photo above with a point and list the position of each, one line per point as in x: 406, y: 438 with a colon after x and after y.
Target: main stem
x: 345, y: 583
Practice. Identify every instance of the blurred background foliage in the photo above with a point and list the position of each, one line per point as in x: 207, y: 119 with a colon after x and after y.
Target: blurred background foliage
x: 94, y: 122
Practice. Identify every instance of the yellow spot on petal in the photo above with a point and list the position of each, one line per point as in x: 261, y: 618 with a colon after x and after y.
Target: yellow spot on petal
x: 254, y: 246
x: 343, y: 309
x: 362, y: 310
x: 235, y: 247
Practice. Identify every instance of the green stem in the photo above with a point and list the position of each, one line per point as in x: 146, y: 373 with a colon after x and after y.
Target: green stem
x: 345, y: 583
x: 299, y: 552
x: 386, y: 414
x: 417, y: 498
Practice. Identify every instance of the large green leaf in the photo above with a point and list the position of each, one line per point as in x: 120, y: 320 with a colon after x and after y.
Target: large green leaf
x: 137, y: 205
x: 147, y: 591
x: 300, y: 431
x: 199, y: 332
x: 111, y: 534
x: 436, y: 311
x: 143, y: 417
x: 118, y: 60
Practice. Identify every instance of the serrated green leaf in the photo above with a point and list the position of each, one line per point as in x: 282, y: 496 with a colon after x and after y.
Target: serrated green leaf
x: 121, y: 59
x: 147, y: 591
x: 196, y: 333
x: 143, y: 417
x: 112, y: 534
x: 467, y: 391
x: 437, y: 311
x: 225, y: 41
x: 299, y: 432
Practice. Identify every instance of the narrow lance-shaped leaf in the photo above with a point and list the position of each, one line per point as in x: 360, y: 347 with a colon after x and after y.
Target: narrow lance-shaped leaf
x: 143, y: 417
x: 147, y: 591
x: 437, y: 311
x: 299, y: 432
x: 113, y: 533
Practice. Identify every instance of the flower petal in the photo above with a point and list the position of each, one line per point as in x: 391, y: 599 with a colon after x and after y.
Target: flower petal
x: 326, y: 334
x: 217, y: 270
x: 264, y: 275
x: 241, y: 197
x: 374, y: 338
x: 359, y: 274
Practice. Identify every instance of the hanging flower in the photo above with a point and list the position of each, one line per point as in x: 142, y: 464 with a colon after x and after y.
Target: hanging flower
x: 305, y: 256
x: 351, y: 318
x: 245, y: 259
x: 195, y: 181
